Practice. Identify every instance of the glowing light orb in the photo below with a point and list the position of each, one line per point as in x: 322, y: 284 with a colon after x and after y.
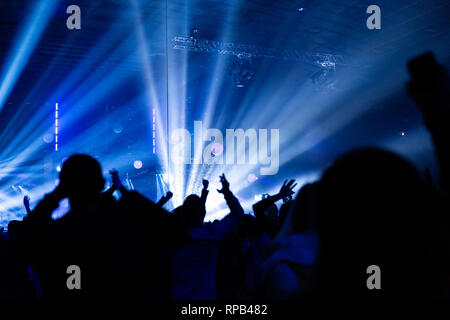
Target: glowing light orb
x: 137, y: 164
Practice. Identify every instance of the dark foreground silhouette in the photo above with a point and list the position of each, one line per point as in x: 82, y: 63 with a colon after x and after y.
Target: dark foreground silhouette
x: 371, y: 211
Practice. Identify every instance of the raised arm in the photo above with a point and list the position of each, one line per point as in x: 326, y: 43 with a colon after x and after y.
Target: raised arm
x: 116, y: 184
x: 164, y: 199
x: 43, y: 210
x: 430, y: 89
x: 26, y: 203
x: 30, y: 235
x: 232, y: 201
x: 286, y: 191
x: 205, y: 191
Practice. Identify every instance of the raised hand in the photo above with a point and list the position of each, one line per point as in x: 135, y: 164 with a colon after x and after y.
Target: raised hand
x: 205, y: 184
x: 429, y: 84
x: 287, y: 189
x: 169, y: 195
x: 26, y: 203
x: 225, y: 184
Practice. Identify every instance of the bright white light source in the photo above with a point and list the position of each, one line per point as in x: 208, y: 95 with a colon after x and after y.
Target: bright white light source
x: 138, y: 164
x: 402, y: 133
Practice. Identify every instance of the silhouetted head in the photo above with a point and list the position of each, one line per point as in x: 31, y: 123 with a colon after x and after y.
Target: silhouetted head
x: 193, y: 211
x: 371, y: 203
x: 81, y: 177
x: 12, y: 225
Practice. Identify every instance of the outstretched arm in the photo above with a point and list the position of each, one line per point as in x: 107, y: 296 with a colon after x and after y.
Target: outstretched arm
x: 286, y: 191
x: 26, y: 203
x: 232, y: 201
x: 43, y: 210
x: 164, y: 199
x: 205, y: 191
x: 116, y: 183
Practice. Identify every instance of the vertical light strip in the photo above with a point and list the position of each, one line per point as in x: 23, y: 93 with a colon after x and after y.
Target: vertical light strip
x: 154, y: 130
x: 56, y: 126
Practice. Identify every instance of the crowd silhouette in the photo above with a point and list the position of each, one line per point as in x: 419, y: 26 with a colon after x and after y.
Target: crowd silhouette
x: 370, y: 207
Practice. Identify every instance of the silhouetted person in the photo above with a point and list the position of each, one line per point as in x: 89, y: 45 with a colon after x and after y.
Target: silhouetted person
x: 15, y: 279
x: 429, y: 87
x: 375, y: 209
x: 373, y: 212
x: 282, y: 268
x: 266, y: 212
x: 82, y: 237
x: 195, y: 264
x: 110, y: 241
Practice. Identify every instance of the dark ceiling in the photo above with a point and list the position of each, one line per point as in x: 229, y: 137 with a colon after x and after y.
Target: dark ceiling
x: 334, y: 26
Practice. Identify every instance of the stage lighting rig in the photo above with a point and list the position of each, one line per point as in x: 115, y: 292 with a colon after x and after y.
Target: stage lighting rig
x: 194, y: 43
x: 320, y: 57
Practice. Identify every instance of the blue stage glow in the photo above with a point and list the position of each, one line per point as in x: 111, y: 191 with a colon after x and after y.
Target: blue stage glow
x: 119, y: 87
x: 26, y: 41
